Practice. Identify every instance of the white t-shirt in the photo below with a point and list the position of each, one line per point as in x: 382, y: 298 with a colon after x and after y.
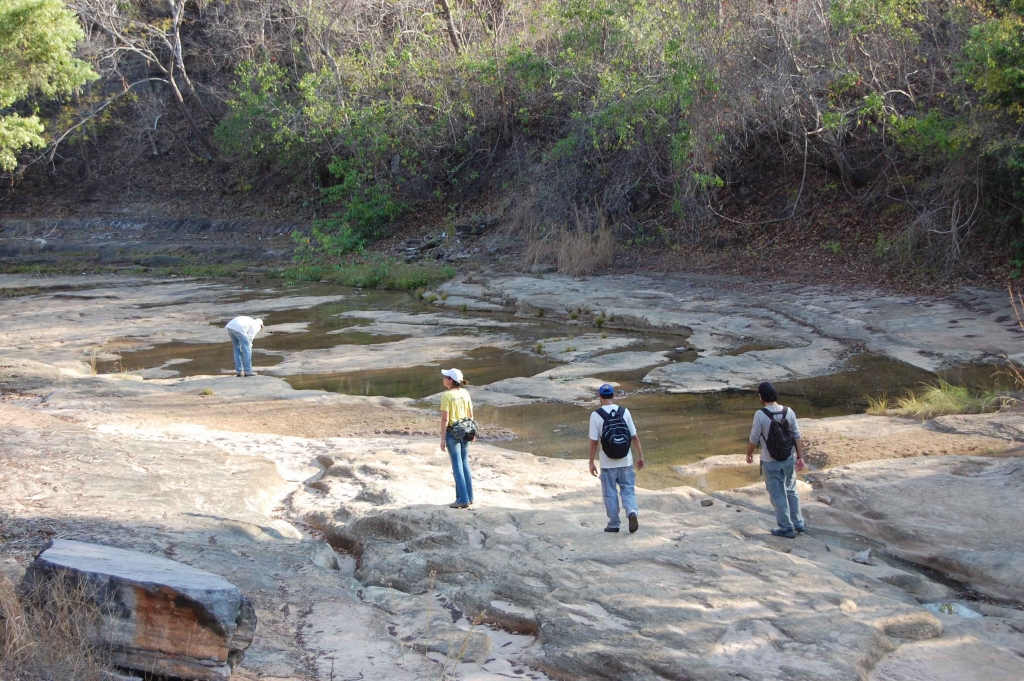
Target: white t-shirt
x: 597, y: 426
x: 247, y: 325
x: 759, y: 429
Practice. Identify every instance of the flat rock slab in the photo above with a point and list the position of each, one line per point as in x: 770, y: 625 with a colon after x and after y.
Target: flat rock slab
x: 813, y: 328
x: 404, y: 353
x: 616, y: 361
x: 952, y: 659
x: 572, y: 390
x: 157, y: 615
x: 1008, y: 425
x: 957, y: 514
x: 710, y: 463
x: 818, y: 357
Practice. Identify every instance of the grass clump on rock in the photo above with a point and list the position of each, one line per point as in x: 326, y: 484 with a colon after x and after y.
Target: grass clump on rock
x: 939, y: 399
x: 213, y: 270
x: 379, y: 273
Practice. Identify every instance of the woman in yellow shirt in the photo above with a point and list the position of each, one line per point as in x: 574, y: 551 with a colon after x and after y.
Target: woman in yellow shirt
x: 456, y: 404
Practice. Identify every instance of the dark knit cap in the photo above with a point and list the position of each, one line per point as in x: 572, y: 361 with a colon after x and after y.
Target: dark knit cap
x: 768, y: 392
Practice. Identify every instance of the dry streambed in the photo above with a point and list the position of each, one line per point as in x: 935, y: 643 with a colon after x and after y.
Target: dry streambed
x: 526, y: 585
x: 532, y: 348
x: 354, y: 563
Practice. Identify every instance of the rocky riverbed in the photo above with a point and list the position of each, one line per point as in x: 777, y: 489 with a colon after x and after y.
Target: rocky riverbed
x: 329, y: 512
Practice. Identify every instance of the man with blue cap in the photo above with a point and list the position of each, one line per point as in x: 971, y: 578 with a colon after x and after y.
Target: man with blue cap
x: 612, y: 433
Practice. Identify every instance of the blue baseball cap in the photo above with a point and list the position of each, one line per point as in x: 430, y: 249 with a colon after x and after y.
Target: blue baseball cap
x: 606, y: 390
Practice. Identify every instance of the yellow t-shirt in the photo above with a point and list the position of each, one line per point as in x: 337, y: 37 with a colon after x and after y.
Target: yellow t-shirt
x: 457, y: 403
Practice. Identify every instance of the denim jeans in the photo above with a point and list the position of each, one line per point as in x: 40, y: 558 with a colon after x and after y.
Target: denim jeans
x: 625, y: 479
x: 780, y: 480
x: 243, y: 351
x: 458, y: 452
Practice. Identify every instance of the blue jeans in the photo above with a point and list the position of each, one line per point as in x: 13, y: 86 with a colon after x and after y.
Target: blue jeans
x: 780, y: 480
x: 458, y: 452
x: 243, y: 351
x: 625, y: 479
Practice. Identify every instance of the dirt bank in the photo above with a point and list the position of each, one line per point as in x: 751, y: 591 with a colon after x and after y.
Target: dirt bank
x: 845, y: 440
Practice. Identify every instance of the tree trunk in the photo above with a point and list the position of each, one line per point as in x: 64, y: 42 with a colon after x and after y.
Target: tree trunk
x: 450, y: 21
x: 210, y: 152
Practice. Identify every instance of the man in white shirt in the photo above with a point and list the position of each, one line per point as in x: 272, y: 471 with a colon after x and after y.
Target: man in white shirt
x: 242, y: 331
x: 612, y: 432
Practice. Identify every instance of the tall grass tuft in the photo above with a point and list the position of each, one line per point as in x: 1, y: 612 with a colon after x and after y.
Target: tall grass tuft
x: 44, y: 632
x: 944, y: 398
x: 577, y: 251
x: 879, y: 406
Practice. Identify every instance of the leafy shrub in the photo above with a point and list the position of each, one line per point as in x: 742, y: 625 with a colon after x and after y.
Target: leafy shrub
x: 37, y: 41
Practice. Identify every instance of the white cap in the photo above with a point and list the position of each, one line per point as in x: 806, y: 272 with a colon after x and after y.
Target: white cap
x: 453, y: 374
x: 259, y: 321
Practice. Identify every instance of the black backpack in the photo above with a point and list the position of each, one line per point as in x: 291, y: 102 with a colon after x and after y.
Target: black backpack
x: 780, y: 436
x: 615, y: 435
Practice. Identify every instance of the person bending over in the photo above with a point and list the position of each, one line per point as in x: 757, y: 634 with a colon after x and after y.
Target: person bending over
x: 242, y: 331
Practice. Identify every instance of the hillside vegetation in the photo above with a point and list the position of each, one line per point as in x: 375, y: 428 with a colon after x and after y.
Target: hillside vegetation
x: 654, y: 120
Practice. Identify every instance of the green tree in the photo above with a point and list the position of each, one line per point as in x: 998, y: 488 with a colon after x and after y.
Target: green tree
x: 37, y: 38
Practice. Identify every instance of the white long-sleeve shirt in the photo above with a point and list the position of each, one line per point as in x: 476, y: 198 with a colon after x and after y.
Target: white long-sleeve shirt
x: 247, y: 325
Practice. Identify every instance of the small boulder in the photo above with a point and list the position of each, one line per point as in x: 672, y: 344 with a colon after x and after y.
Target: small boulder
x: 158, y: 616
x: 863, y: 557
x: 706, y: 502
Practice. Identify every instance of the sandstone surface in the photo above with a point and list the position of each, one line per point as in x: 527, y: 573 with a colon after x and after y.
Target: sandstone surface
x: 812, y: 328
x: 808, y: 331
x: 959, y: 515
x: 357, y: 568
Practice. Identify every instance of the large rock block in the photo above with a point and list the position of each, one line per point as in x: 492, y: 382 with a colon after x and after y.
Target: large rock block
x: 157, y: 615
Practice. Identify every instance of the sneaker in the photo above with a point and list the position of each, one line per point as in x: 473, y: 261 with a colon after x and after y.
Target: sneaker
x: 251, y: 373
x: 238, y: 374
x: 634, y: 524
x: 782, y: 533
x: 456, y: 504
x: 800, y: 530
x: 611, y: 529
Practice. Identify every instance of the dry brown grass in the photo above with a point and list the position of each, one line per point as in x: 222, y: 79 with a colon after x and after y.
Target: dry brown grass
x: 577, y: 251
x: 44, y: 633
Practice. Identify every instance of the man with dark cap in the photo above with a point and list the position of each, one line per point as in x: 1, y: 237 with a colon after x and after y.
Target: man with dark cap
x: 613, y: 434
x: 778, y: 440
